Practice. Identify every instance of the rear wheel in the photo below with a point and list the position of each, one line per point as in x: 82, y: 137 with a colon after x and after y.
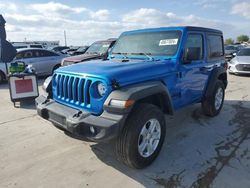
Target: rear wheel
x: 212, y: 105
x: 141, y: 140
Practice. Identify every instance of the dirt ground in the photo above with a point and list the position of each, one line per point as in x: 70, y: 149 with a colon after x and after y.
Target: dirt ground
x: 198, y: 151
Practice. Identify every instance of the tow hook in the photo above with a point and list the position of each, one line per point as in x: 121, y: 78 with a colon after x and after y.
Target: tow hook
x: 77, y: 114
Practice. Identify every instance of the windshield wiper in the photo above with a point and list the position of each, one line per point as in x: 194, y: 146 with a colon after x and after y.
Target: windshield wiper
x: 146, y: 54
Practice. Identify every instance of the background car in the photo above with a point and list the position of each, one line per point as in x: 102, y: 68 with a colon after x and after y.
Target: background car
x: 241, y: 63
x: 97, y: 50
x: 58, y: 48
x: 72, y: 50
x: 43, y: 61
x: 230, y: 50
x: 81, y: 50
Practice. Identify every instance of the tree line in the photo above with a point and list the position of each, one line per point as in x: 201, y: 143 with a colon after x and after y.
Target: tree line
x: 240, y: 39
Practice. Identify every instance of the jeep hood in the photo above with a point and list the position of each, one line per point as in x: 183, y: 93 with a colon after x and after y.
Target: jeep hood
x: 83, y: 57
x: 124, y: 73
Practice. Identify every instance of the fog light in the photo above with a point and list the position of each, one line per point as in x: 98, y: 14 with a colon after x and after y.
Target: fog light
x: 92, y: 129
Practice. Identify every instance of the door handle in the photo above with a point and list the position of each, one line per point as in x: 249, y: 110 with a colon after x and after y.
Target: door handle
x: 206, y: 68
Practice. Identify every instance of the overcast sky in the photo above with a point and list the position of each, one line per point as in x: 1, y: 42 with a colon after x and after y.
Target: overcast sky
x: 88, y: 20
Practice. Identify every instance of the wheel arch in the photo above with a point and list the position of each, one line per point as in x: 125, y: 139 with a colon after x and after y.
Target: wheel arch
x: 154, y: 92
x: 218, y: 73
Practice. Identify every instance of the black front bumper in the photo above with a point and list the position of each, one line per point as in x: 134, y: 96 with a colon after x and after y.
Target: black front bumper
x: 78, y: 122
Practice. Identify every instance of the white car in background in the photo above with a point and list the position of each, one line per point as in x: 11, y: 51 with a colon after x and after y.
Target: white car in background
x: 43, y: 61
x: 240, y: 64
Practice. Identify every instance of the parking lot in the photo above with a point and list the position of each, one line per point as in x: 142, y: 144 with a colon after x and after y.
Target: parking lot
x: 198, y: 151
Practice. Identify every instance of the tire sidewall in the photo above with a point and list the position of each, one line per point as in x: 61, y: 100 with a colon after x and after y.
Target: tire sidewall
x: 218, y: 85
x: 133, y: 138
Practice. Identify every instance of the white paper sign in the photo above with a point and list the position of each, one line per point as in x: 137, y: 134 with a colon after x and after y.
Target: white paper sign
x: 105, y: 45
x: 168, y: 42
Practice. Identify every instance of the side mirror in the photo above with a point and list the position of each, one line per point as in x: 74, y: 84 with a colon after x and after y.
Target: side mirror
x: 191, y: 54
x: 105, y: 56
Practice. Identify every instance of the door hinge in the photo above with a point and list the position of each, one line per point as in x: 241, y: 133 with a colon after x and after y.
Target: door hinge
x: 179, y: 75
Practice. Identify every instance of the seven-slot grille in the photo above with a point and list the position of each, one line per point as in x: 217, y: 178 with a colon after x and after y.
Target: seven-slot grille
x: 72, y: 89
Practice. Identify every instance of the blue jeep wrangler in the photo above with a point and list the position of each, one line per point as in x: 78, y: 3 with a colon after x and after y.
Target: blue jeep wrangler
x: 149, y: 73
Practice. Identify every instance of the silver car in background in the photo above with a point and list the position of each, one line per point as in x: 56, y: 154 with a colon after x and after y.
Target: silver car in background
x: 240, y: 64
x: 43, y: 61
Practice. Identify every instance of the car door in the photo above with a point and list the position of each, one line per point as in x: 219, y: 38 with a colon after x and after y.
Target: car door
x: 192, y: 75
x: 40, y: 62
x: 44, y: 62
x: 50, y: 60
x: 34, y: 57
x: 28, y: 57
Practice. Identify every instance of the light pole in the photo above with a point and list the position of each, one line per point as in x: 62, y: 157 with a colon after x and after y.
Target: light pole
x: 65, y: 38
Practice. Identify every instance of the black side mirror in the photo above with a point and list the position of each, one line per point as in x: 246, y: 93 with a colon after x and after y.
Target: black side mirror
x: 191, y: 54
x: 105, y: 56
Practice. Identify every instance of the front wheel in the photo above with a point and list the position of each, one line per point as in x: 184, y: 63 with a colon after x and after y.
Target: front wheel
x: 212, y: 105
x: 141, y: 140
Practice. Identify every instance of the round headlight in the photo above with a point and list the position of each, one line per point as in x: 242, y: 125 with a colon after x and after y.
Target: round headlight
x: 101, y: 89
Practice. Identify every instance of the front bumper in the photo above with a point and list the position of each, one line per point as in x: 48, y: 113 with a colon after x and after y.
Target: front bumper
x: 80, y: 123
x: 232, y: 68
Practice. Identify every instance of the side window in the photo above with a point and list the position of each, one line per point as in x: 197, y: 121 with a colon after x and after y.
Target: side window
x: 28, y: 54
x: 20, y: 55
x: 195, y: 41
x: 215, y: 46
x: 36, y: 54
x: 48, y: 53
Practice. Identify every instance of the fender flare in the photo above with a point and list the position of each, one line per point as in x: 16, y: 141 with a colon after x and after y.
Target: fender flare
x: 214, y: 76
x: 137, y: 92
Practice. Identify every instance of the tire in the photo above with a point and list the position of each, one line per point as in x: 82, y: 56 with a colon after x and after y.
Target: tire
x: 212, y: 107
x: 2, y: 77
x: 130, y: 138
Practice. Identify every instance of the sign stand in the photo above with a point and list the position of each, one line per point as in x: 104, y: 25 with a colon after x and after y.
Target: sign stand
x: 23, y: 86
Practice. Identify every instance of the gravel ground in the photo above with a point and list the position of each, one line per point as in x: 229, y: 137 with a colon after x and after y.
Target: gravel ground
x: 198, y: 151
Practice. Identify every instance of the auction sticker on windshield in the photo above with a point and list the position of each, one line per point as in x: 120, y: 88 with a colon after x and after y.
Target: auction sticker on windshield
x: 168, y: 42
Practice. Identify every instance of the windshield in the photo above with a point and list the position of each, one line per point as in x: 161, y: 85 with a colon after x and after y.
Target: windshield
x: 150, y: 43
x: 244, y: 52
x: 98, y: 48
